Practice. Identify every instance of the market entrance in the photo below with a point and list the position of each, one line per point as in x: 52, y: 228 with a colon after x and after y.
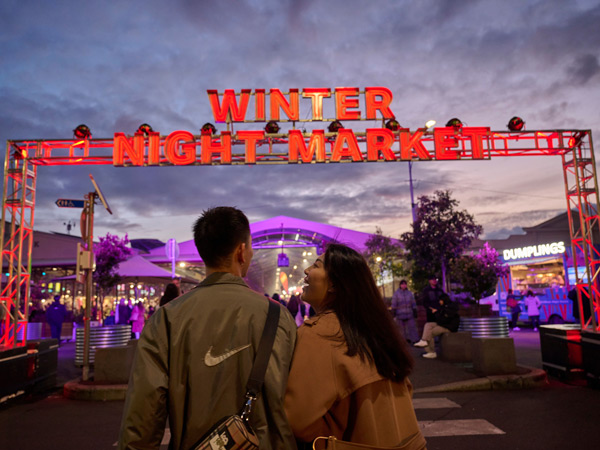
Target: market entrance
x: 385, y: 141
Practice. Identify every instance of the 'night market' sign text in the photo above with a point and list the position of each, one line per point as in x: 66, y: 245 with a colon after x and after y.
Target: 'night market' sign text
x: 389, y: 143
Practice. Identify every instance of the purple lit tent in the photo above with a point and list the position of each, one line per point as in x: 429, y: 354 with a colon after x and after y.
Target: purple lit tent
x: 267, y: 234
x: 140, y: 270
x: 300, y: 240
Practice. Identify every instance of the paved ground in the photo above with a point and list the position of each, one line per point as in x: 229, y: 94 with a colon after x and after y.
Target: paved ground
x: 556, y: 416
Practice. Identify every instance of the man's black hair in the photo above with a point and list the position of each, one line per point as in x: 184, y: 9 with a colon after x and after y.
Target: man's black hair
x: 217, y: 232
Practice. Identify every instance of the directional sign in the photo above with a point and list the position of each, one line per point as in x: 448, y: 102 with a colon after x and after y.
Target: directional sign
x: 99, y: 192
x: 69, y: 203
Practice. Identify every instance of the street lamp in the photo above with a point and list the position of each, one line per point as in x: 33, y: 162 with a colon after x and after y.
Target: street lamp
x: 412, y: 195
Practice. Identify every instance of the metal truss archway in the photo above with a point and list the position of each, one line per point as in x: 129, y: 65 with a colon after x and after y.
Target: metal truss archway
x: 24, y: 157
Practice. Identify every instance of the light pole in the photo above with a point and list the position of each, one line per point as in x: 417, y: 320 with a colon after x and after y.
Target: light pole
x: 412, y: 196
x: 380, y: 262
x: 89, y: 270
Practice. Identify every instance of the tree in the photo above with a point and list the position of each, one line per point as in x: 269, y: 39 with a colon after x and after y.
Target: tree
x: 479, y: 273
x: 383, y: 256
x: 440, y: 234
x: 109, y: 252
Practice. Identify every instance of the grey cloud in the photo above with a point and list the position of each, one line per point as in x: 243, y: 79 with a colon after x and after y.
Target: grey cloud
x: 480, y: 61
x: 584, y: 67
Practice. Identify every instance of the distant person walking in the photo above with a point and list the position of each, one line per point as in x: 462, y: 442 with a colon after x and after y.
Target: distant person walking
x: 532, y: 303
x: 297, y: 309
x: 171, y: 293
x: 138, y: 319
x: 55, y: 315
x: 123, y: 312
x: 404, y: 308
x: 278, y: 299
x: 515, y: 309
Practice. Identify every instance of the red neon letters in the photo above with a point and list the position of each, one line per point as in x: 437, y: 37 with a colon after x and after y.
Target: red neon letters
x: 376, y: 144
x: 347, y: 103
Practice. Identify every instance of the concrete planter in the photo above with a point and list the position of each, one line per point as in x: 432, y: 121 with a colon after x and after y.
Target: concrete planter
x: 101, y: 337
x: 493, y: 356
x: 485, y: 327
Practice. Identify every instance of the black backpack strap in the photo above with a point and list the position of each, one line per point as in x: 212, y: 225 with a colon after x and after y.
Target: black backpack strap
x: 265, y: 347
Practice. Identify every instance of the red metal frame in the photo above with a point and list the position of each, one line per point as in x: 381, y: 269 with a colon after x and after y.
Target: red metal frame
x: 18, y: 203
x: 23, y: 157
x: 581, y: 190
x: 273, y: 149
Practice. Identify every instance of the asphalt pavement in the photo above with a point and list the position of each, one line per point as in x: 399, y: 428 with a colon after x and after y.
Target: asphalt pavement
x: 447, y: 416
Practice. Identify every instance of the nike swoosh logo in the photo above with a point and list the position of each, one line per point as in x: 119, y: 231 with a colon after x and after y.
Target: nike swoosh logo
x: 210, y: 360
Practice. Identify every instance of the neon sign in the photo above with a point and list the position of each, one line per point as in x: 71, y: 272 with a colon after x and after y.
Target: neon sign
x: 297, y: 146
x: 554, y: 248
x: 346, y: 104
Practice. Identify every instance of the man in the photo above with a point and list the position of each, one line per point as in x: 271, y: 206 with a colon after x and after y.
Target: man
x: 123, y: 312
x: 430, y: 297
x: 55, y: 315
x: 404, y: 308
x: 195, y: 354
x: 446, y: 320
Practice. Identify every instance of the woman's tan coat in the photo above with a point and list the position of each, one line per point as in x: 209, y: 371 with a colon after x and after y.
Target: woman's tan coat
x: 332, y: 394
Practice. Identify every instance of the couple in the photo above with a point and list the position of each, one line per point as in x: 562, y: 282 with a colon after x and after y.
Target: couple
x: 347, y: 377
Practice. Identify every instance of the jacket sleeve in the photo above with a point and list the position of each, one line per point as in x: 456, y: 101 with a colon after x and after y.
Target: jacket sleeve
x: 145, y: 411
x: 413, y: 303
x: 394, y: 302
x: 311, y: 389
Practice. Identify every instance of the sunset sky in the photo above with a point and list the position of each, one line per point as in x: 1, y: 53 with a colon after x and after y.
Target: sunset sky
x: 115, y: 65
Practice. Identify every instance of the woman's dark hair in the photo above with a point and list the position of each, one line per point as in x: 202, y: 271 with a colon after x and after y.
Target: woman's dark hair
x: 171, y: 293
x: 368, y: 327
x: 529, y: 293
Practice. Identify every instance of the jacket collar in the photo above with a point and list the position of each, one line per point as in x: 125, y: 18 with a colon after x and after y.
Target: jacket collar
x: 222, y: 278
x: 315, y: 319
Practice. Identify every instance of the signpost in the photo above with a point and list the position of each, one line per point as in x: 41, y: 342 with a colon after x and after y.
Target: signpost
x: 85, y: 259
x: 88, y: 213
x: 172, y: 252
x: 70, y: 203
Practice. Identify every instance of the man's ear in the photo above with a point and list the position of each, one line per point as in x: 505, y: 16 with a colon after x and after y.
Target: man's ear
x: 240, y: 253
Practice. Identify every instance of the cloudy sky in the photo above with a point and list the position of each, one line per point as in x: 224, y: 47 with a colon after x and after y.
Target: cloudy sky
x: 114, y: 65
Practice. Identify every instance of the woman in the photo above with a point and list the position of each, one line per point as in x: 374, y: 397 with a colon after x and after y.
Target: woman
x: 138, y: 319
x: 532, y: 303
x: 348, y: 378
x: 515, y: 310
